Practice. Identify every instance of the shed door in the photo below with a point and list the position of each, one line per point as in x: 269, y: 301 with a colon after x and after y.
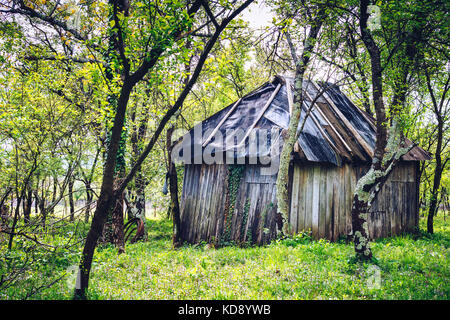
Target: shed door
x: 254, y: 217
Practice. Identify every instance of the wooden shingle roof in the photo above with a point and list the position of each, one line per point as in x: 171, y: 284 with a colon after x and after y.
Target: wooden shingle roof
x: 335, y: 131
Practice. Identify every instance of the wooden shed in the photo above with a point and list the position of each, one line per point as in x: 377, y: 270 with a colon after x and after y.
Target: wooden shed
x: 233, y: 198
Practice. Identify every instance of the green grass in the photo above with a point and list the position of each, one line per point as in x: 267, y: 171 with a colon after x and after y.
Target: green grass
x: 406, y: 267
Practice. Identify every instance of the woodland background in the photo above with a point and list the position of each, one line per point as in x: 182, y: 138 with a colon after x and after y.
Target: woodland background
x: 93, y: 93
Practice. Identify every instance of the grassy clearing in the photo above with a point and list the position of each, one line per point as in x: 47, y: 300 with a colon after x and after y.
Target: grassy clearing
x: 407, y: 267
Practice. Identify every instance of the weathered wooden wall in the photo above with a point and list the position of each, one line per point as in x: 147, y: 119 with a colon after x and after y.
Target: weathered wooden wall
x: 321, y: 199
x: 205, y: 207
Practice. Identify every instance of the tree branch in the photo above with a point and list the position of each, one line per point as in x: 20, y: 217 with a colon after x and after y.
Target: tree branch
x: 208, y: 47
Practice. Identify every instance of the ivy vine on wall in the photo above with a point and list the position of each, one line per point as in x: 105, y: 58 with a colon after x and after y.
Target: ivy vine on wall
x: 235, y: 174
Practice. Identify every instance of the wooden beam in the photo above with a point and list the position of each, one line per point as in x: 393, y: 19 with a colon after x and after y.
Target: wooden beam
x: 355, y: 133
x: 317, y: 123
x: 369, y: 120
x: 221, y: 122
x: 331, y: 126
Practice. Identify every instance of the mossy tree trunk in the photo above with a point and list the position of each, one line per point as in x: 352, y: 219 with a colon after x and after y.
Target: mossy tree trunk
x: 291, y: 134
x: 365, y: 190
x: 388, y: 149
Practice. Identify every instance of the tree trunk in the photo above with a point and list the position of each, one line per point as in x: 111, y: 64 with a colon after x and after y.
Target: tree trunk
x: 291, y: 135
x: 173, y: 188
x: 28, y: 204
x: 117, y: 222
x: 107, y: 193
x: 437, y: 179
x: 137, y: 202
x: 364, y: 196
x: 71, y: 202
x: 55, y: 189
x: 87, y: 210
x: 42, y: 210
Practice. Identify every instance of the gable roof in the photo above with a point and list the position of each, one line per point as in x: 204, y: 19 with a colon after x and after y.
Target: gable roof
x: 335, y: 131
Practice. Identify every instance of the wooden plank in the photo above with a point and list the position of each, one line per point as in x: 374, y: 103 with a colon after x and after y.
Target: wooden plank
x: 206, y: 203
x: 256, y: 210
x: 246, y: 198
x: 273, y: 224
x: 328, y: 204
x: 416, y: 199
x: 187, y: 217
x: 210, y: 207
x: 184, y: 200
x: 410, y: 203
x: 392, y: 201
x: 214, y: 203
x: 356, y: 150
x: 369, y: 120
x: 409, y: 196
x: 221, y: 199
x: 316, y: 122
x: 386, y: 208
x: 293, y: 214
x: 382, y: 227
x: 400, y: 206
x: 262, y: 211
x: 243, y: 202
x: 253, y: 196
x: 301, y: 213
x: 371, y: 223
x: 308, y: 196
x: 194, y: 207
x: 221, y: 122
x: 190, y: 201
x: 347, y: 123
x: 322, y: 202
x: 335, y: 205
x: 377, y: 206
x: 350, y: 188
x: 267, y: 189
x: 395, y: 192
x: 270, y: 215
x: 342, y: 204
x: 315, y: 201
x: 184, y: 192
x: 379, y: 224
x: 199, y: 214
x: 206, y: 196
x: 404, y: 206
x: 218, y: 202
x: 261, y: 114
x: 258, y: 198
x: 330, y: 124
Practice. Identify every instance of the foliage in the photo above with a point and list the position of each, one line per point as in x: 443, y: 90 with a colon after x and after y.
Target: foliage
x: 56, y: 113
x: 410, y: 267
x: 34, y: 268
x: 235, y: 173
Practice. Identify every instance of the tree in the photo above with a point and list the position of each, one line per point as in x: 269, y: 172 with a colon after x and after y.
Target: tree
x: 440, y: 109
x: 108, y: 192
x: 292, y: 134
x: 390, y: 145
